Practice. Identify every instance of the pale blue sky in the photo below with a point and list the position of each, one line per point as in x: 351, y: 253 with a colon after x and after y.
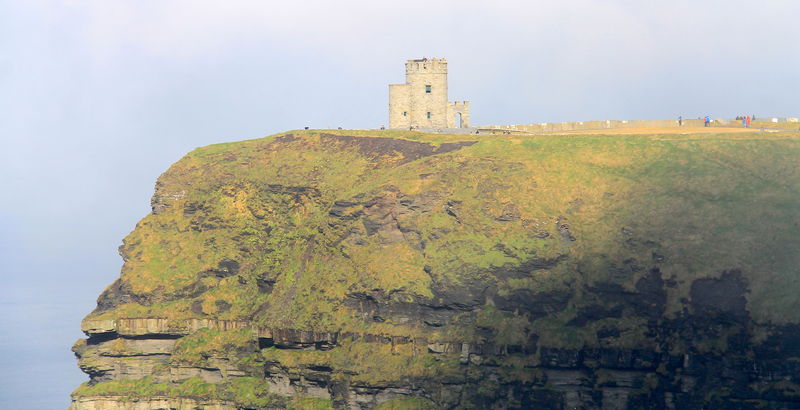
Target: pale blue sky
x: 97, y: 98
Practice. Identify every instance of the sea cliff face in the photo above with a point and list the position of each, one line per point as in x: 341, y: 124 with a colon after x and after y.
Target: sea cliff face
x: 402, y: 270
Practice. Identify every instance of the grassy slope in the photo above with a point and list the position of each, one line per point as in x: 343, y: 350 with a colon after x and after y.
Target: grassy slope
x: 706, y: 203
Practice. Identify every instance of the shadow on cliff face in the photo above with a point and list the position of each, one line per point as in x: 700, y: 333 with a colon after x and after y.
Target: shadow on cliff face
x: 721, y: 298
x: 612, y: 300
x: 678, y: 321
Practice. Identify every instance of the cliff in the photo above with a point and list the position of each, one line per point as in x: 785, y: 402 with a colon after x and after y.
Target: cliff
x: 391, y: 270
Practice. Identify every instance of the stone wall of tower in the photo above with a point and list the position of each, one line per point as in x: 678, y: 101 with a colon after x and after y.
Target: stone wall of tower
x: 455, y: 108
x: 428, y: 109
x: 399, y: 106
x: 422, y: 100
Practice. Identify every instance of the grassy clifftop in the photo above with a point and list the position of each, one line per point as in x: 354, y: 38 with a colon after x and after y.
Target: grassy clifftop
x: 234, y: 219
x: 514, y: 242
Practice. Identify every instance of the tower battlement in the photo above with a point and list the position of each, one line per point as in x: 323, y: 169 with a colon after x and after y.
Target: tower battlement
x: 427, y: 65
x: 422, y: 101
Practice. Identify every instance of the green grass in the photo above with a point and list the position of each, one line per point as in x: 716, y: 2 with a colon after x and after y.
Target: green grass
x: 247, y: 392
x: 703, y: 198
x: 144, y: 387
x: 369, y: 362
x: 697, y: 197
x: 196, y: 348
x: 707, y: 203
x: 407, y: 403
x: 310, y: 403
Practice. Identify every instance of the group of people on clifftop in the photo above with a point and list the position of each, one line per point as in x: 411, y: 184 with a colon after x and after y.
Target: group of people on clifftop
x: 745, y: 119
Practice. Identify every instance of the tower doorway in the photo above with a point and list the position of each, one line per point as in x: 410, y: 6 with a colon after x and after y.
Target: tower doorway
x: 457, y: 121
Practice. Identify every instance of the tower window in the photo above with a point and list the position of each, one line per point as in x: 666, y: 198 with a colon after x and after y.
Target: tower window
x: 427, y: 89
x: 428, y: 114
x: 405, y: 113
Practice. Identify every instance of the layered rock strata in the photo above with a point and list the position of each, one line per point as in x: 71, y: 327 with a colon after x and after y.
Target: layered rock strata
x: 318, y: 270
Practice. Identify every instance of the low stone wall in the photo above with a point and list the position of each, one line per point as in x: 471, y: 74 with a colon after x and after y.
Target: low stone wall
x: 546, y: 127
x: 554, y: 127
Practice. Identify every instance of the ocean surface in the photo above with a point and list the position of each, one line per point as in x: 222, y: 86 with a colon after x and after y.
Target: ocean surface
x: 40, y: 321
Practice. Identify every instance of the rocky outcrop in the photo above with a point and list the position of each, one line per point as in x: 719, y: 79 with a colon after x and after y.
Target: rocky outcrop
x: 741, y: 373
x: 126, y: 403
x: 318, y: 270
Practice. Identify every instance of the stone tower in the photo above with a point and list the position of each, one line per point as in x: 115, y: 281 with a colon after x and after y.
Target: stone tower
x: 422, y: 101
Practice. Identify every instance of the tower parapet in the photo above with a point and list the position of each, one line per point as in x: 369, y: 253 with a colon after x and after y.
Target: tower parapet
x: 422, y: 101
x: 427, y: 65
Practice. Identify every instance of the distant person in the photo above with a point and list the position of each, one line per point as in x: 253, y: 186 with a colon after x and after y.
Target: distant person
x: 748, y: 122
x: 680, y: 121
x: 744, y: 122
x: 707, y: 121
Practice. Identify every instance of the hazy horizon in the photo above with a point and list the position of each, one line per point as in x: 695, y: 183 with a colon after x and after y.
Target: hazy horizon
x: 99, y: 98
